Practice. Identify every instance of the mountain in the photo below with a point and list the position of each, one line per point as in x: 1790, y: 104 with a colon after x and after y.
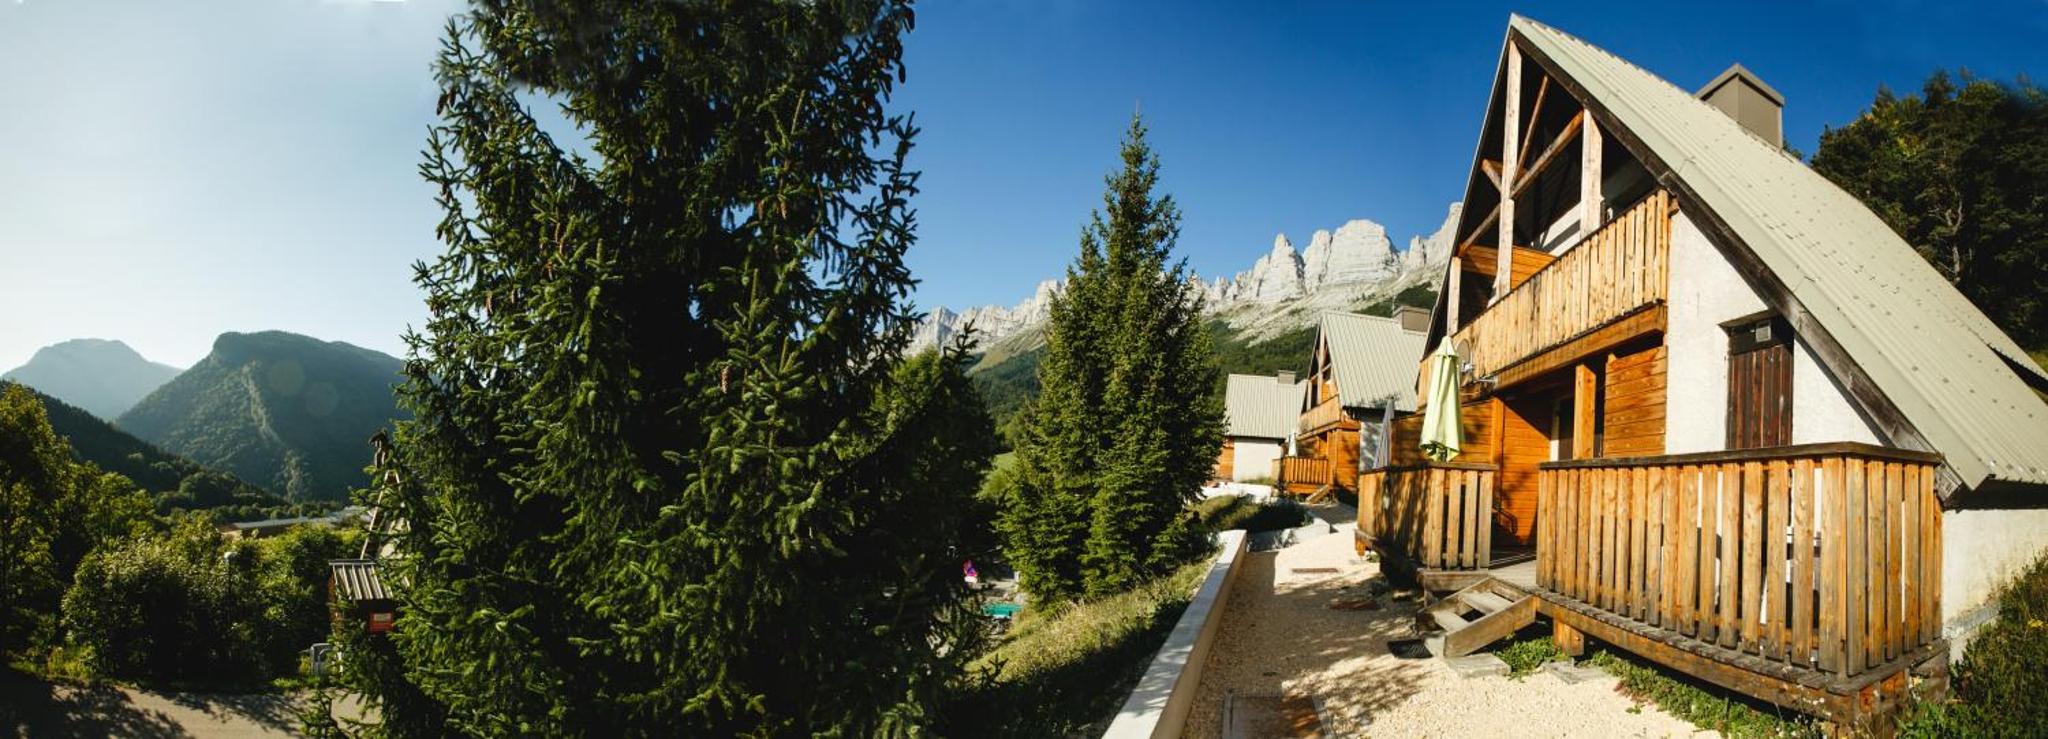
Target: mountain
x: 174, y: 481
x: 102, y: 376
x: 290, y: 413
x: 1261, y: 320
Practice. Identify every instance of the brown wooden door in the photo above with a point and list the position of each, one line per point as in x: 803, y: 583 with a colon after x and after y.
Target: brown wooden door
x: 1759, y: 384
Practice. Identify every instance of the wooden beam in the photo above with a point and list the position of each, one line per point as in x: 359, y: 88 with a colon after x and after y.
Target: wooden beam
x: 1510, y: 153
x: 1525, y: 262
x: 1535, y: 114
x: 1585, y: 388
x: 1564, y: 138
x: 1591, y: 205
x: 1492, y: 170
x: 1456, y: 277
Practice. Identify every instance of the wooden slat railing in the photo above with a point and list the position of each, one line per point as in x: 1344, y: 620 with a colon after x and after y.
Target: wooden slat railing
x: 1301, y: 474
x: 1610, y: 273
x: 1437, y: 515
x: 1330, y: 412
x: 1824, y: 556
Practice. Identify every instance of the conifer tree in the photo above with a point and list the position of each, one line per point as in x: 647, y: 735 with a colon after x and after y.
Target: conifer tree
x: 664, y: 477
x: 1128, y: 421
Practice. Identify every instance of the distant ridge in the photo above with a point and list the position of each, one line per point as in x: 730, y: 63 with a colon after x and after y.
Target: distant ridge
x: 102, y: 376
x: 289, y: 413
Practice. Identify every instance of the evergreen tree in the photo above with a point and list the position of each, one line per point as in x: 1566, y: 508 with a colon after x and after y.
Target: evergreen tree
x: 657, y: 480
x: 1128, y: 420
x: 35, y: 470
x: 1961, y: 172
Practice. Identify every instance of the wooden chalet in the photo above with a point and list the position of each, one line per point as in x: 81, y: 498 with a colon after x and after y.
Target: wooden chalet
x: 1259, y: 415
x: 1360, y: 375
x: 1717, y: 413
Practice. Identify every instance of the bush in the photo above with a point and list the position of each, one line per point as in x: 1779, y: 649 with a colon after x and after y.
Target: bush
x: 164, y: 608
x: 1227, y: 512
x: 2000, y: 682
x: 191, y: 607
x: 1525, y: 656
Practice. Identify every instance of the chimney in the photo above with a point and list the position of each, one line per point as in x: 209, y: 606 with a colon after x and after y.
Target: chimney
x: 1744, y: 97
x: 1286, y: 377
x: 1412, y: 318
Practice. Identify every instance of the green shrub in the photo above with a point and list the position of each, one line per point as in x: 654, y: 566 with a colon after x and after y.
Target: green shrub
x: 165, y: 608
x: 1525, y: 656
x: 1227, y: 512
x: 2001, y: 682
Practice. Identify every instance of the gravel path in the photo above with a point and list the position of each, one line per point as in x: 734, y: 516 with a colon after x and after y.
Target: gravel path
x: 1279, y: 637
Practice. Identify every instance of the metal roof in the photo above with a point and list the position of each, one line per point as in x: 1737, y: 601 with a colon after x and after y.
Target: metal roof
x: 1950, y: 372
x: 358, y: 580
x: 1374, y: 359
x: 1261, y: 406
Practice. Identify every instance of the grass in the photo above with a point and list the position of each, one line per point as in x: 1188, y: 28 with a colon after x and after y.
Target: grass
x: 1227, y: 512
x: 2000, y: 686
x: 1064, y: 672
x: 1708, y: 708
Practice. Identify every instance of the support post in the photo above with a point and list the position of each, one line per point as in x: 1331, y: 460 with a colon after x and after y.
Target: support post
x: 1511, y: 133
x: 1569, y: 640
x: 1590, y: 197
x: 1451, y: 297
x: 1585, y: 386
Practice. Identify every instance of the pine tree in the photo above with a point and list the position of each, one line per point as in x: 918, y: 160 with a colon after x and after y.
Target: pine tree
x: 664, y: 476
x: 1128, y: 421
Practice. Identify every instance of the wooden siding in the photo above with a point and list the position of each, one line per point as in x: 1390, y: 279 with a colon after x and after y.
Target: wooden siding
x: 1435, y: 515
x: 1611, y: 273
x: 1327, y: 413
x: 1634, y: 425
x: 1824, y: 557
x: 1475, y: 444
x: 1226, y: 460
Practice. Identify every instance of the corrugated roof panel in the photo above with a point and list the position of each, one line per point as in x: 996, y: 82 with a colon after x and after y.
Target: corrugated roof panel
x: 1374, y: 358
x: 1261, y: 406
x: 1946, y: 366
x: 358, y: 580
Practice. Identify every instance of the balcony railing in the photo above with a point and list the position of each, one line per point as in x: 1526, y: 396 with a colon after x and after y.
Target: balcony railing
x: 1302, y: 474
x: 1327, y: 413
x: 1438, y: 516
x: 1607, y: 275
x: 1822, y: 556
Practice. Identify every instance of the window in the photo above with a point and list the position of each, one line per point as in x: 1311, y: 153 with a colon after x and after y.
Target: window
x: 1759, y: 383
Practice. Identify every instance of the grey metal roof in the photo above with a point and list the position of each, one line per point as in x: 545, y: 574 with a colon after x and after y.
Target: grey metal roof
x: 1950, y: 371
x: 1375, y: 360
x: 358, y: 580
x: 1261, y: 406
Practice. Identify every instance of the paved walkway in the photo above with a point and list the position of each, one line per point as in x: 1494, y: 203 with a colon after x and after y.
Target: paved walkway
x: 1282, y: 644
x: 32, y: 708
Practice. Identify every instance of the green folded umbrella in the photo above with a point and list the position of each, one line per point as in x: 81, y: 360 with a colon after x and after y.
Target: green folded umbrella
x: 1440, y: 418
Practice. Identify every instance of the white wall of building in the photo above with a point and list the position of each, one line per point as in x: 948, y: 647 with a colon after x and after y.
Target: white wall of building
x: 1981, y: 550
x: 1254, y: 459
x: 1707, y: 291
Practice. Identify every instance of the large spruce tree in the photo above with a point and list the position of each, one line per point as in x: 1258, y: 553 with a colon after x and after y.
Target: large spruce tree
x: 1128, y: 421
x: 664, y: 477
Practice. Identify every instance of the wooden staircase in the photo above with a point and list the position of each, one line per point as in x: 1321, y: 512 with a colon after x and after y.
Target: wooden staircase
x: 1479, y: 615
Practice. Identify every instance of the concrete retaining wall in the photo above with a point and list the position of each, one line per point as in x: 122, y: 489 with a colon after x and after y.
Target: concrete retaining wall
x: 1159, y: 705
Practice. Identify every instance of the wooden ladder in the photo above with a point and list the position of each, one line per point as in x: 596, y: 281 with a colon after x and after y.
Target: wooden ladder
x: 1481, y: 614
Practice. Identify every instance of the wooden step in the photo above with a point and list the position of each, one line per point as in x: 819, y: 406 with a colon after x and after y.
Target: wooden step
x: 1499, y: 617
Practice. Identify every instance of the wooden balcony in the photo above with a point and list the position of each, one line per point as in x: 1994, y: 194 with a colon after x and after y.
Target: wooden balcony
x: 1324, y: 415
x: 1435, y: 515
x: 1803, y: 575
x: 1612, y: 273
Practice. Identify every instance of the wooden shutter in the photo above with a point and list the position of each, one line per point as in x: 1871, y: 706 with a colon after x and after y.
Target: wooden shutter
x: 1759, y: 384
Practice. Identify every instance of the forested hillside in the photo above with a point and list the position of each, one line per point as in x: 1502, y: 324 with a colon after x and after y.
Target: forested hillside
x: 173, y: 482
x: 289, y: 413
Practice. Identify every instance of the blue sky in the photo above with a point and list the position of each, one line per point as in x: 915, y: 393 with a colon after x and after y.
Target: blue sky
x: 173, y: 169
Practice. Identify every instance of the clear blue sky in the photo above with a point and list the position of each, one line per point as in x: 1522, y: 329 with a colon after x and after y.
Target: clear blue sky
x: 173, y: 169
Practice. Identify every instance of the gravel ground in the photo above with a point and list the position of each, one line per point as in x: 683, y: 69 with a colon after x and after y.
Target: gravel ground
x: 1279, y: 637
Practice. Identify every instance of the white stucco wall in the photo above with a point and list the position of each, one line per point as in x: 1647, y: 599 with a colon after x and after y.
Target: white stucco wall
x: 1706, y: 291
x: 1981, y: 549
x: 1255, y: 458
